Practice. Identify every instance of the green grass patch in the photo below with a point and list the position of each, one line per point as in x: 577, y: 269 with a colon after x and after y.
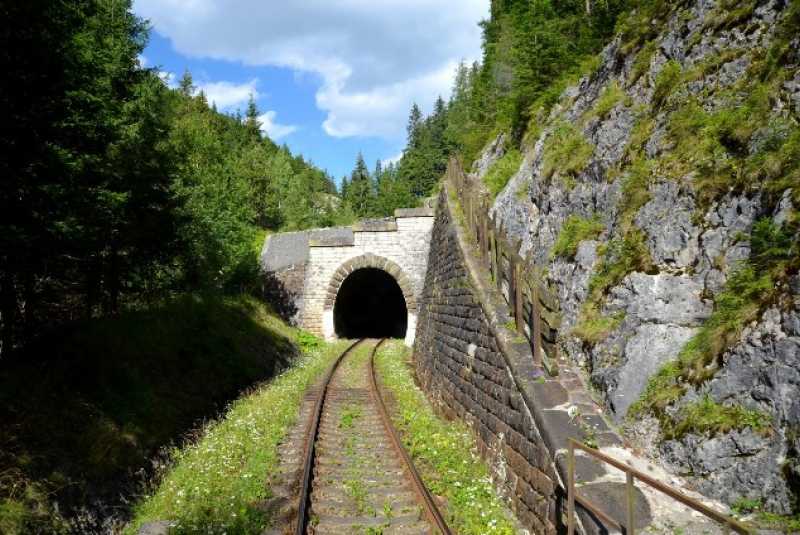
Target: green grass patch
x: 575, y: 230
x: 501, y: 172
x: 635, y: 191
x: 785, y: 524
x: 566, y: 151
x: 728, y: 14
x: 612, y: 95
x: 619, y: 257
x: 85, y: 408
x: 594, y: 328
x: 707, y: 417
x: 641, y: 63
x: 741, y: 146
x: 445, y: 452
x: 665, y: 83
x: 219, y: 483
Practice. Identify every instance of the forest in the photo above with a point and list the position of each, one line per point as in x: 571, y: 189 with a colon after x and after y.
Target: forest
x: 124, y: 203
x: 119, y: 192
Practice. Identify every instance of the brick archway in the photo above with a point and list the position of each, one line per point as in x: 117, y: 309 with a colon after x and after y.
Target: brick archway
x: 369, y: 260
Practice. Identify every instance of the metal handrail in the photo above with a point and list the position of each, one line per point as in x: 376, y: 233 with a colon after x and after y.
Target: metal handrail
x: 631, y: 474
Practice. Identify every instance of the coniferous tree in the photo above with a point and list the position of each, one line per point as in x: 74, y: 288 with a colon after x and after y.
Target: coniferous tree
x: 361, y: 190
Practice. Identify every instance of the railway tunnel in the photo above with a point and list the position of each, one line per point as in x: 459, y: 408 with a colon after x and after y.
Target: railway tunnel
x: 364, y: 280
x: 370, y: 304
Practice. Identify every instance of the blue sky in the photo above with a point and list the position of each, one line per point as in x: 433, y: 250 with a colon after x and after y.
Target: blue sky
x: 330, y: 78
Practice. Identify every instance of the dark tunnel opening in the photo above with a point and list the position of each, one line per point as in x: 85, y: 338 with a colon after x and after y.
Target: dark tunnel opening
x: 370, y: 304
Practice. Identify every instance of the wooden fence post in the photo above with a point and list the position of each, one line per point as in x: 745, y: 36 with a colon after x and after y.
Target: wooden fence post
x: 519, y: 293
x: 493, y: 247
x: 501, y: 267
x: 484, y: 231
x: 536, y: 318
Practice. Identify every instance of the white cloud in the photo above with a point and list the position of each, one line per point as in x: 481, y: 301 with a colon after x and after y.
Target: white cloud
x: 142, y: 61
x: 227, y: 95
x: 394, y: 159
x: 274, y: 130
x: 374, y: 58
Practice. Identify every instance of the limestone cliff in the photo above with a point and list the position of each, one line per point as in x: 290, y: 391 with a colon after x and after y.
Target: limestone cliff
x: 661, y: 194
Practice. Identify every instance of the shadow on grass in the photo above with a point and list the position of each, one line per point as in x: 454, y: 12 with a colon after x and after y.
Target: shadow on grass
x: 84, y: 411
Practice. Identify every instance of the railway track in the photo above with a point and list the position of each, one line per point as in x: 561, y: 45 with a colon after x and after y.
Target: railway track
x: 357, y: 477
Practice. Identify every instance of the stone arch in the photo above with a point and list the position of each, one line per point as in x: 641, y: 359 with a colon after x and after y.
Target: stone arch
x: 369, y: 260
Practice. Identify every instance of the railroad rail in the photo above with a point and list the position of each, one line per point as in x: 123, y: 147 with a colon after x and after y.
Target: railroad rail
x: 357, y: 475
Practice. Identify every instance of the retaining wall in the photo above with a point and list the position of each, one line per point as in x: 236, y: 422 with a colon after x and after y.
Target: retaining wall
x: 474, y: 368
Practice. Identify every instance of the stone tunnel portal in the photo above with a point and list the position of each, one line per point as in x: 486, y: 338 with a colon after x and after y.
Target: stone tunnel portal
x: 370, y: 304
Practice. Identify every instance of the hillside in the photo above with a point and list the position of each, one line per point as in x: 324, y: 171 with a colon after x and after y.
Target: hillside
x: 91, y: 412
x: 660, y: 193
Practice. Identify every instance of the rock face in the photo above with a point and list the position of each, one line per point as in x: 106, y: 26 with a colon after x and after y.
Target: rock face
x: 693, y: 244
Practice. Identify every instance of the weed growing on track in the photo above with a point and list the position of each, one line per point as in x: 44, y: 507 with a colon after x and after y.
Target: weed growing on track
x: 219, y: 484
x: 444, y: 452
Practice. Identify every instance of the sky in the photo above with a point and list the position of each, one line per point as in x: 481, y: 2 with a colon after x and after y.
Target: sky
x: 330, y: 78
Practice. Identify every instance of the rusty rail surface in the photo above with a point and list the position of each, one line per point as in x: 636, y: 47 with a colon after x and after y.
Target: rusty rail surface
x: 431, y: 511
x: 427, y: 506
x: 631, y: 475
x: 532, y: 303
x: 308, y: 465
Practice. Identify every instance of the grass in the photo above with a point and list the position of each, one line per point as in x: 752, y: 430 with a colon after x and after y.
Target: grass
x: 707, y: 417
x: 566, y: 151
x: 635, y: 191
x: 612, y: 95
x: 594, y: 328
x: 84, y: 410
x: 665, y: 83
x: 444, y: 451
x: 575, y: 230
x: 619, y: 257
x: 501, y: 172
x: 641, y: 62
x: 219, y: 483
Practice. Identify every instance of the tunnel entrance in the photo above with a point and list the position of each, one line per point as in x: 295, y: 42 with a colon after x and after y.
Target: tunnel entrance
x: 370, y: 304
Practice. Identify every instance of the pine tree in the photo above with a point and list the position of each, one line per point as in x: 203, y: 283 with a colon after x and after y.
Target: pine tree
x: 253, y: 125
x: 361, y: 190
x: 186, y: 87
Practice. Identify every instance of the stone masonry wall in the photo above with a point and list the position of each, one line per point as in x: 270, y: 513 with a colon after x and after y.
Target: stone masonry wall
x: 406, y: 247
x: 460, y: 364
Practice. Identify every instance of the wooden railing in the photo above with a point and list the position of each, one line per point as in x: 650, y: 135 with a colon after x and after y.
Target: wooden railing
x: 531, y: 302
